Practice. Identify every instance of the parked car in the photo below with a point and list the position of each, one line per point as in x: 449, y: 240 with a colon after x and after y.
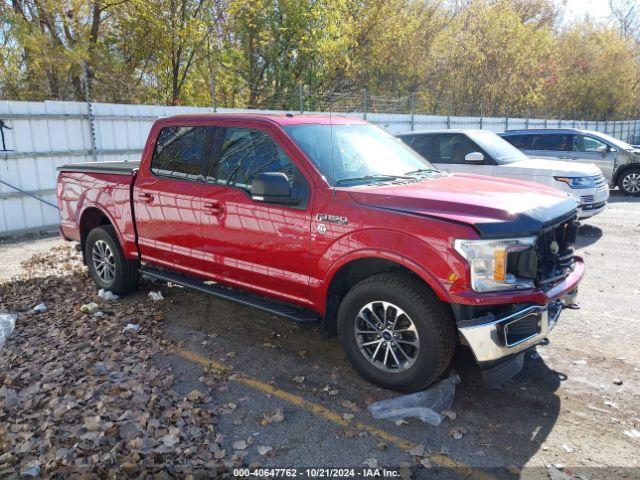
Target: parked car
x: 484, y: 153
x: 619, y: 161
x: 334, y: 220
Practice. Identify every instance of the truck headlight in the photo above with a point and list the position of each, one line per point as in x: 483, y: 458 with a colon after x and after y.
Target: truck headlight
x: 489, y: 262
x: 578, y: 182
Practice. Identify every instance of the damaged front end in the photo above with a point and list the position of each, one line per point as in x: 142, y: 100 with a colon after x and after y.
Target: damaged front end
x: 499, y: 334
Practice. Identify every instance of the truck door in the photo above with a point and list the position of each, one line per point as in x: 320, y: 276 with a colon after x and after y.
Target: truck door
x: 167, y: 199
x: 255, y: 245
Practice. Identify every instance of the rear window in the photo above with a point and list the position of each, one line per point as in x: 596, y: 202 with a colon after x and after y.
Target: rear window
x: 180, y: 152
x: 553, y: 142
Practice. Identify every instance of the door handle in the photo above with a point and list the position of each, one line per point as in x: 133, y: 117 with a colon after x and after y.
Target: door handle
x: 145, y: 197
x: 214, y: 208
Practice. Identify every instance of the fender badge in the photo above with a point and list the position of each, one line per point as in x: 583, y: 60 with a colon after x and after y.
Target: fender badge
x: 325, y: 217
x: 322, y: 228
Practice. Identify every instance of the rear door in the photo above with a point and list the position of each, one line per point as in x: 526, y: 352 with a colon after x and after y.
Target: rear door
x: 255, y: 245
x: 555, y: 145
x: 168, y: 199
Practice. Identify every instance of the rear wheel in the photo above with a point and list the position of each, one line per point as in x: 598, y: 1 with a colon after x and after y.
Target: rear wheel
x: 395, y: 332
x: 106, y: 261
x: 629, y: 182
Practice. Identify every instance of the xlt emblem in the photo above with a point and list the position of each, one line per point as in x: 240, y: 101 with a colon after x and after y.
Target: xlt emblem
x: 554, y: 247
x: 325, y: 217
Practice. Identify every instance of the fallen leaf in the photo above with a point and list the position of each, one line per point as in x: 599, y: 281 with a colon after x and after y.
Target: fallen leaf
x: 263, y: 450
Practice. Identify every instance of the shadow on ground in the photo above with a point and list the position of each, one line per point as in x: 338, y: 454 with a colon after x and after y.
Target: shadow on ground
x: 503, y: 427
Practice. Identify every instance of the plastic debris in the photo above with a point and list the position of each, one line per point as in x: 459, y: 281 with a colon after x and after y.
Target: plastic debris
x: 131, y: 327
x: 7, y: 324
x: 31, y: 472
x: 633, y: 433
x: 89, y: 307
x: 156, y: 295
x: 107, y: 295
x: 41, y: 307
x: 425, y: 405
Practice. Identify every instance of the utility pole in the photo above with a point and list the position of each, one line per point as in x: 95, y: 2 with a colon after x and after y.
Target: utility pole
x: 87, y: 96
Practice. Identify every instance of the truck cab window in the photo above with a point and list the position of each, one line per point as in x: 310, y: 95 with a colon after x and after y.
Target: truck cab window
x: 180, y: 152
x: 241, y: 153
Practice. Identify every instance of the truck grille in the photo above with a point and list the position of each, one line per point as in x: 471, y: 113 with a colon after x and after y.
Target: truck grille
x: 555, y: 253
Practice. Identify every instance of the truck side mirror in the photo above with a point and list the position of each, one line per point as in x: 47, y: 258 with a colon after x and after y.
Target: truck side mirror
x: 474, y: 157
x: 271, y: 187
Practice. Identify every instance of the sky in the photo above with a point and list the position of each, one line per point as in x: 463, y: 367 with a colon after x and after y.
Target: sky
x: 577, y: 9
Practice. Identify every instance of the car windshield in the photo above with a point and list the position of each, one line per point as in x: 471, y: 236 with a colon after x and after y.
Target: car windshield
x: 613, y: 140
x: 496, y: 147
x: 361, y: 153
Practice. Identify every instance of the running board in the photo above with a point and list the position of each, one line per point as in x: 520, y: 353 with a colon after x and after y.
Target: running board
x: 275, y: 307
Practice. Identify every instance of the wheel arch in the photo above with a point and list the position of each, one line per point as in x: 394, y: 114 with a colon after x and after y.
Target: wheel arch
x: 348, y: 273
x: 624, y: 168
x: 90, y: 218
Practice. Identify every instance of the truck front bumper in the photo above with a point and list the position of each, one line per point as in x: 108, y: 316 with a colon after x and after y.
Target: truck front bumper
x: 513, y: 333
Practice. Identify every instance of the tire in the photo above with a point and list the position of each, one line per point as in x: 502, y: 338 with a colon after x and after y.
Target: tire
x: 629, y: 182
x: 436, y: 334
x: 125, y: 272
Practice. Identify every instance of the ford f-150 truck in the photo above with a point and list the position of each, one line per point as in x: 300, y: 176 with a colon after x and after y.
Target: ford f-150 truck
x: 320, y: 218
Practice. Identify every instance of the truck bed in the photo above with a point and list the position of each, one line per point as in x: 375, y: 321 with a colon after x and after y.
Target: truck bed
x: 117, y: 168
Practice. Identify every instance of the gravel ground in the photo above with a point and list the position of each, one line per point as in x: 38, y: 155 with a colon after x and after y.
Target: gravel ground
x: 571, y: 413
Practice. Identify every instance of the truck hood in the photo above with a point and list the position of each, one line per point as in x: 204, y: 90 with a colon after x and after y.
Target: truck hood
x: 494, y: 207
x: 551, y: 168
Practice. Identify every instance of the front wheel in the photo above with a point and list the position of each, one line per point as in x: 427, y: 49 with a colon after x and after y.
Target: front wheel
x: 395, y: 332
x: 108, y: 266
x: 629, y: 182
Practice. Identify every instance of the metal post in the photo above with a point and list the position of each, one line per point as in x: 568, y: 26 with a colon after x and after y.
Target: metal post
x: 606, y: 124
x: 573, y: 114
x: 481, y: 114
x: 212, y: 92
x: 546, y: 114
x: 301, y: 93
x: 506, y: 120
x: 526, y: 122
x: 448, y: 113
x: 412, y: 108
x: 366, y: 102
x: 560, y: 119
x: 87, y: 95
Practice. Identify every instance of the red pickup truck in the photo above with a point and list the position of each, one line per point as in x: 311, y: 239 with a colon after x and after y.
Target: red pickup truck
x: 319, y: 218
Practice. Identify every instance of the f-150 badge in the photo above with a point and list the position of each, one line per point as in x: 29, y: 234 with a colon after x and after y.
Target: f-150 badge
x: 325, y: 217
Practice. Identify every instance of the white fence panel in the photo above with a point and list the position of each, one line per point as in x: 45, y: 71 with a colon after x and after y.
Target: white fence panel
x: 44, y: 135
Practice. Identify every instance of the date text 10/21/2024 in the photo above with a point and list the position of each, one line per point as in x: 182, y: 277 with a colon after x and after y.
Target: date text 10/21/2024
x: 365, y: 472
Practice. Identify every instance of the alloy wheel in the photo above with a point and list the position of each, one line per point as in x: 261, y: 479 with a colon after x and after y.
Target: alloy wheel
x: 104, y: 263
x: 386, y: 336
x: 631, y: 183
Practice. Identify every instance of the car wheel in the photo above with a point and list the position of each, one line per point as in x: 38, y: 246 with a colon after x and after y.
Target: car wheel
x: 629, y: 182
x: 106, y: 261
x: 395, y: 332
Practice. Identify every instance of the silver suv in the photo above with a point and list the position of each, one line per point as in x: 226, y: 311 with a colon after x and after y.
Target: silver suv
x: 619, y: 161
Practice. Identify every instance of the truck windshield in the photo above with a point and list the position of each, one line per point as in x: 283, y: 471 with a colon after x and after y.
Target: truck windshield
x: 360, y: 153
x: 497, y: 148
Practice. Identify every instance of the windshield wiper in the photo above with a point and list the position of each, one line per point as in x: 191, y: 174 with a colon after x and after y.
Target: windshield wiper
x: 369, y: 178
x: 422, y: 170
